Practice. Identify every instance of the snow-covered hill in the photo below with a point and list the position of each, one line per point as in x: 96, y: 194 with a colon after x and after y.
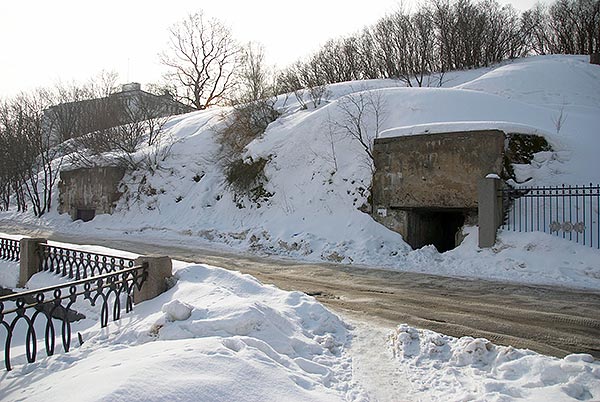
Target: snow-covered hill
x: 319, y: 177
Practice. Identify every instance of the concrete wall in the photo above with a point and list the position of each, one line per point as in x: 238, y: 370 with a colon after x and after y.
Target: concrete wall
x: 91, y: 188
x: 434, y: 170
x: 425, y: 187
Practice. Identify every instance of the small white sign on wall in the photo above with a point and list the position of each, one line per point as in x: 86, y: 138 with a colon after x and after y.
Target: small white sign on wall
x: 382, y: 212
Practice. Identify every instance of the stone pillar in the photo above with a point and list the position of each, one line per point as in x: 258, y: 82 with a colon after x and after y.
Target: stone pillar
x: 160, y: 268
x: 595, y: 58
x: 489, y: 207
x: 30, y: 258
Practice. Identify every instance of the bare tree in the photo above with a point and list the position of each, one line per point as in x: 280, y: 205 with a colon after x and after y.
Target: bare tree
x: 576, y: 26
x: 254, y: 78
x: 536, y: 30
x: 81, y: 108
x: 15, y: 155
x: 306, y: 78
x: 288, y: 81
x: 362, y: 116
x: 330, y: 155
x: 419, y: 47
x: 32, y: 157
x: 202, y: 56
x: 253, y: 105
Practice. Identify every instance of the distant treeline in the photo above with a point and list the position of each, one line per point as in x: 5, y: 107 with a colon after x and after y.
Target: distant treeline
x: 444, y: 35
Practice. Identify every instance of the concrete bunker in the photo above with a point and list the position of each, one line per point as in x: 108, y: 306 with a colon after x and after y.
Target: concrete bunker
x: 425, y: 185
x: 86, y: 192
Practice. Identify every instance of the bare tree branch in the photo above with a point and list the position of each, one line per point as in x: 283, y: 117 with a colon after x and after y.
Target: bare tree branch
x: 201, y: 58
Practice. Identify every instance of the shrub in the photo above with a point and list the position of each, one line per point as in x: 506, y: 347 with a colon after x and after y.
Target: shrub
x: 520, y: 149
x: 246, y: 123
x: 247, y: 178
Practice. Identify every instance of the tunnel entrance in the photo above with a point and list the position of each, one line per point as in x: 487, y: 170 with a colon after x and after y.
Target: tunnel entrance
x: 435, y: 226
x: 85, y: 214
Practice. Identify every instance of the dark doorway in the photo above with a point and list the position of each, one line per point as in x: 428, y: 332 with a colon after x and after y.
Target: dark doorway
x: 437, y: 227
x: 85, y: 215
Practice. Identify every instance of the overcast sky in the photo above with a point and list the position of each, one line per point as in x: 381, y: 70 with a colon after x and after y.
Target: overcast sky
x: 44, y: 41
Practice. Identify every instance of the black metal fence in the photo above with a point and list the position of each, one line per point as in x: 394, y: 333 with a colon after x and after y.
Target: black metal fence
x: 570, y: 212
x: 41, y: 308
x: 79, y: 264
x: 10, y: 249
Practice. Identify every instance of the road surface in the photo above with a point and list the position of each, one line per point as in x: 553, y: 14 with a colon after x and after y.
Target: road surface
x: 550, y: 320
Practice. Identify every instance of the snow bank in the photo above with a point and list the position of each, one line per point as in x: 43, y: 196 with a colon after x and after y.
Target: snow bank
x: 543, y: 80
x: 533, y: 258
x: 217, y: 335
x: 9, y: 274
x: 444, y: 368
x: 463, y: 126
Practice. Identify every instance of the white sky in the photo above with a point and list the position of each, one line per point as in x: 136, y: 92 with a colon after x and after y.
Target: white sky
x: 44, y: 41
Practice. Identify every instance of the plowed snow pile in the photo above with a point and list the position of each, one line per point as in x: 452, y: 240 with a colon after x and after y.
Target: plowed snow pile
x: 444, y: 368
x: 215, y: 336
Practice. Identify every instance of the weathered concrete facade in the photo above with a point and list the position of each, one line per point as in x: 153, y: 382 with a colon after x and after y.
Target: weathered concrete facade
x: 435, y: 170
x: 425, y: 186
x: 85, y: 192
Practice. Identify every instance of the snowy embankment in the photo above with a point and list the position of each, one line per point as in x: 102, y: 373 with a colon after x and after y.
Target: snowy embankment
x: 319, y: 176
x: 218, y: 335
x: 443, y: 368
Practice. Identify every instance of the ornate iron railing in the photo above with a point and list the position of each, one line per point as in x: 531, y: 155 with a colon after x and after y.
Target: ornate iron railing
x: 9, y: 249
x: 55, y: 304
x: 571, y: 212
x: 77, y: 264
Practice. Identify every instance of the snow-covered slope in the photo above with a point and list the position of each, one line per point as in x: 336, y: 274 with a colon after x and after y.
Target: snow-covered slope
x: 319, y: 177
x: 548, y: 80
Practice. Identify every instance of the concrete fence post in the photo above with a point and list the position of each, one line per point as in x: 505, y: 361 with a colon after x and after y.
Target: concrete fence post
x: 489, y: 210
x: 160, y: 268
x: 30, y: 258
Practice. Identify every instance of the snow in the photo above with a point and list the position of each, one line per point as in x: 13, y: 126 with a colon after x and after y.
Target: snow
x: 9, y: 274
x: 449, y: 127
x: 320, y: 178
x: 219, y: 335
x: 216, y: 335
x: 444, y: 368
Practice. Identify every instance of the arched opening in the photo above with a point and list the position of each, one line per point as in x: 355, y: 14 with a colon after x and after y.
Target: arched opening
x: 435, y: 226
x: 85, y: 215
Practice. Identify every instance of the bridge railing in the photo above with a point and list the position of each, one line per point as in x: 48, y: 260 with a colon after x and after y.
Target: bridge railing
x: 9, y: 249
x: 109, y: 281
x: 52, y: 307
x: 78, y: 264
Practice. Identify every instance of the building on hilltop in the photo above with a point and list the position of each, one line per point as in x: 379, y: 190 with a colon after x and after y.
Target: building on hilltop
x: 130, y: 104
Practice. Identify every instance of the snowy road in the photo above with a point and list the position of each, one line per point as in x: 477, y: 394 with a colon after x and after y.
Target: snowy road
x: 552, y: 321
